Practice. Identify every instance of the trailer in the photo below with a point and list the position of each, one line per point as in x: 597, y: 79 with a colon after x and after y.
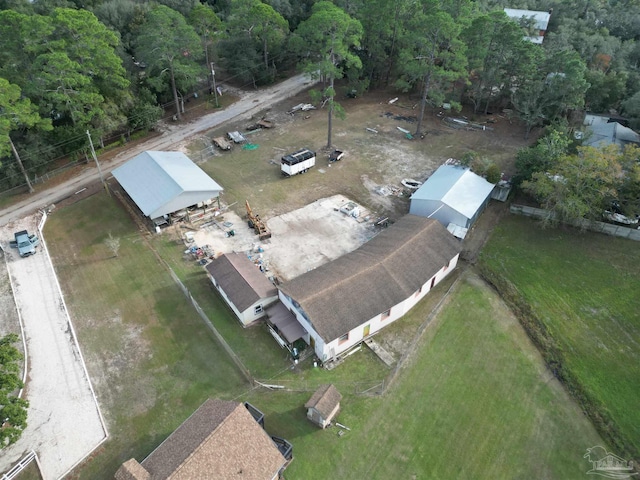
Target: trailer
x: 236, y: 137
x: 221, y: 143
x: 297, y: 162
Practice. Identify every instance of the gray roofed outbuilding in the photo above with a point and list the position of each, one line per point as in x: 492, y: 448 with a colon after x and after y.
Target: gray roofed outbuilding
x: 240, y: 279
x: 161, y: 183
x: 388, y: 269
x: 602, y: 131
x: 452, y: 194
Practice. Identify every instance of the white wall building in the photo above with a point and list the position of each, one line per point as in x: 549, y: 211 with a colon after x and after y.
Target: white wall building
x: 345, y: 301
x: 242, y: 286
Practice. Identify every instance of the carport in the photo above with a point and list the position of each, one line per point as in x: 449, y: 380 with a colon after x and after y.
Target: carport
x: 163, y: 183
x: 283, y: 325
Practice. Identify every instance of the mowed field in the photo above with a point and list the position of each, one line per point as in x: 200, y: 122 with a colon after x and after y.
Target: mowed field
x: 151, y: 359
x: 584, y: 287
x: 473, y: 401
x: 474, y: 398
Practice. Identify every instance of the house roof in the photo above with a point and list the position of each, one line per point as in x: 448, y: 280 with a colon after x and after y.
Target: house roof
x: 241, y: 280
x: 132, y: 470
x: 219, y: 440
x: 602, y: 133
x: 154, y: 179
x: 456, y: 186
x: 343, y: 294
x: 541, y: 20
x: 324, y: 400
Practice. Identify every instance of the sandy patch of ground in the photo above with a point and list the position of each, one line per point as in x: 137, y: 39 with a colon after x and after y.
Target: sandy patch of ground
x: 300, y: 241
x: 64, y: 423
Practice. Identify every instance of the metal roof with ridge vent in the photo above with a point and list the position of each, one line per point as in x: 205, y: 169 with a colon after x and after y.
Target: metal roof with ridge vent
x: 165, y: 182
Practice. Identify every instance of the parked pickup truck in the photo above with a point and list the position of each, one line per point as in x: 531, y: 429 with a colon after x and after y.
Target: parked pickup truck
x: 25, y: 243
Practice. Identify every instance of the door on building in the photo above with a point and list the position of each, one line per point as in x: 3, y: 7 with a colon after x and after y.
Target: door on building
x: 366, y: 331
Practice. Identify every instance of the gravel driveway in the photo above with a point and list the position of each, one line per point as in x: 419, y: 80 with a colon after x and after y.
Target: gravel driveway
x: 64, y: 421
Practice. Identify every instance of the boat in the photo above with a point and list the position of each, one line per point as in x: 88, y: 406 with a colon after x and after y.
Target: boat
x: 411, y: 184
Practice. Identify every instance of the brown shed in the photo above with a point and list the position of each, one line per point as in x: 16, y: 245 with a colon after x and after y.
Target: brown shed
x: 323, y: 405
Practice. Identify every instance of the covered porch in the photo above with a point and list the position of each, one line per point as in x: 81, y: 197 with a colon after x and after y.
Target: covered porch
x: 284, y: 327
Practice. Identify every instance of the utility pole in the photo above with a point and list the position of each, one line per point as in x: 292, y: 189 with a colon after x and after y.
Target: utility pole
x: 24, y: 172
x: 95, y: 157
x: 215, y: 89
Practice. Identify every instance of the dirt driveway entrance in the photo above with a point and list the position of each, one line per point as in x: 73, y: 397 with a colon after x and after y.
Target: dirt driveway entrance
x: 64, y: 422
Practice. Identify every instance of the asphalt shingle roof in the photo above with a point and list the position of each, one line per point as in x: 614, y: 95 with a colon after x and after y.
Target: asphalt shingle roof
x: 343, y: 294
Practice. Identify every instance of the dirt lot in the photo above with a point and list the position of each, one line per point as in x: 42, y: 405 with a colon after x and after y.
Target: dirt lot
x: 370, y: 174
x: 301, y: 240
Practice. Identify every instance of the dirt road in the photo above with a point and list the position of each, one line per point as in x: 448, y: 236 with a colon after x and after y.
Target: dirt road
x: 249, y: 104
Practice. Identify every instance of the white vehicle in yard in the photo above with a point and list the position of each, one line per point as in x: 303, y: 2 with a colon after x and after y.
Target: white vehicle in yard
x: 297, y: 162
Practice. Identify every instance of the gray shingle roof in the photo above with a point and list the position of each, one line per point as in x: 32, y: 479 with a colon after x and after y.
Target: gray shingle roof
x: 602, y: 134
x: 343, y: 294
x: 241, y: 280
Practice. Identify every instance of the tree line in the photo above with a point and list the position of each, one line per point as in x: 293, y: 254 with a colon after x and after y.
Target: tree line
x: 112, y: 67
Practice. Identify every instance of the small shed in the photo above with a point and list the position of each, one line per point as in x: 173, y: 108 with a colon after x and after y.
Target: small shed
x: 453, y: 194
x: 323, y: 405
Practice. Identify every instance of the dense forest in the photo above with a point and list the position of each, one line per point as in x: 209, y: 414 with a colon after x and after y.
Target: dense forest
x: 114, y: 67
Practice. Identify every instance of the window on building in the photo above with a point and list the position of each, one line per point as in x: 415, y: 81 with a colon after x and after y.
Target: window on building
x: 419, y: 291
x: 386, y: 314
x: 257, y: 309
x: 445, y: 267
x: 343, y: 338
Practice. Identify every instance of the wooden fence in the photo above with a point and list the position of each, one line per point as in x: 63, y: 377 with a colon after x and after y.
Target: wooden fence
x: 593, y: 226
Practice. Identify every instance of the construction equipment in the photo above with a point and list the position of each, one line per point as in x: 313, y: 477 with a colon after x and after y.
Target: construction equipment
x: 257, y: 224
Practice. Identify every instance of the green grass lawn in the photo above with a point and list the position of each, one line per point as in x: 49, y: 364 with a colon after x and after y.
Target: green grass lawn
x: 475, y: 401
x: 584, y: 287
x: 253, y: 345
x: 150, y: 357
